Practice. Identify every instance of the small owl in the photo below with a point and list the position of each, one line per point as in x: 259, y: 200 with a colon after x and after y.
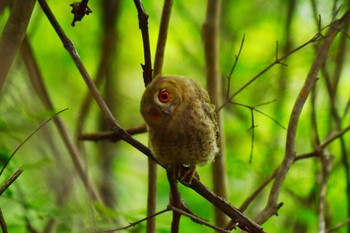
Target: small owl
x: 181, y: 122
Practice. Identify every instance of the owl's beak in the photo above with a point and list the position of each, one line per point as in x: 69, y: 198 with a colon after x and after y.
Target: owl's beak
x: 154, y: 113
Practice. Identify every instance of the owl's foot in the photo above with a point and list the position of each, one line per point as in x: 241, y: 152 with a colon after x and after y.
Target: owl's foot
x: 186, y: 173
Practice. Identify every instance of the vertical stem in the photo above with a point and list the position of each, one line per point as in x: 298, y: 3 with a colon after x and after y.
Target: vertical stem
x: 214, y: 84
x: 3, y: 223
x: 13, y: 35
x: 174, y: 200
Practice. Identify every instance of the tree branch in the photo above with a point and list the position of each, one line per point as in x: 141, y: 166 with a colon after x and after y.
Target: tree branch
x: 12, y: 179
x: 289, y: 157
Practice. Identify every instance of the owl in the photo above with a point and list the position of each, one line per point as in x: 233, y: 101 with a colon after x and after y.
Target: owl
x: 181, y: 122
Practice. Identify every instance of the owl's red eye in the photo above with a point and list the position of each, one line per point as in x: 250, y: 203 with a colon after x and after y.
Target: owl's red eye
x: 164, y: 96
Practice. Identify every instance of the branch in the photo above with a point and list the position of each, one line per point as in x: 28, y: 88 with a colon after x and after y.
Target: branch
x: 13, y: 35
x: 143, y: 25
x: 338, y: 226
x: 242, y: 221
x: 277, y: 61
x: 289, y: 157
x: 111, y: 135
x: 3, y: 223
x: 12, y: 179
x: 229, y: 77
x: 69, y: 46
x: 198, y: 220
x: 27, y: 138
x: 299, y: 157
x: 137, y: 222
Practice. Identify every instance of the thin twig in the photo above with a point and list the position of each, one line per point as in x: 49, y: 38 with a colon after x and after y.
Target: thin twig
x: 12, y: 179
x: 26, y: 139
x: 229, y: 77
x: 277, y: 61
x: 198, y: 220
x: 135, y: 223
x: 111, y: 135
x: 338, y: 226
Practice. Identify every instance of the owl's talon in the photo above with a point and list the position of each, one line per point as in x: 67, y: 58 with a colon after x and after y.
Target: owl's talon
x: 185, y: 174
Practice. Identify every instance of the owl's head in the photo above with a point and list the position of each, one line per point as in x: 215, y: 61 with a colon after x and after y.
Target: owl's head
x: 161, y: 99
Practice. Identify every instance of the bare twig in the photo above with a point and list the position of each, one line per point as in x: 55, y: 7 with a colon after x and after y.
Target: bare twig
x: 321, y: 56
x: 198, y: 220
x: 253, y: 126
x: 111, y: 135
x: 13, y: 35
x: 338, y: 226
x: 229, y: 77
x: 12, y: 179
x: 137, y: 222
x: 108, y: 47
x: 299, y: 157
x: 143, y: 25
x: 25, y: 140
x: 277, y: 61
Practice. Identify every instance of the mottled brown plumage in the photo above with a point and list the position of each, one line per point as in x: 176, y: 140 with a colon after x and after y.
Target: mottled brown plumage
x: 181, y: 121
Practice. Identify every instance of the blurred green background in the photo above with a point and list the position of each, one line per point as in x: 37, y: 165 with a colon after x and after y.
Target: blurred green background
x: 49, y: 188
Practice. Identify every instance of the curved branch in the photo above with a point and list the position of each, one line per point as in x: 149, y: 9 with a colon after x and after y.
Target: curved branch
x: 290, y: 155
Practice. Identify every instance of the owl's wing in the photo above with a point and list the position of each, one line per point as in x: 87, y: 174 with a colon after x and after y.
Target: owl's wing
x: 210, y: 111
